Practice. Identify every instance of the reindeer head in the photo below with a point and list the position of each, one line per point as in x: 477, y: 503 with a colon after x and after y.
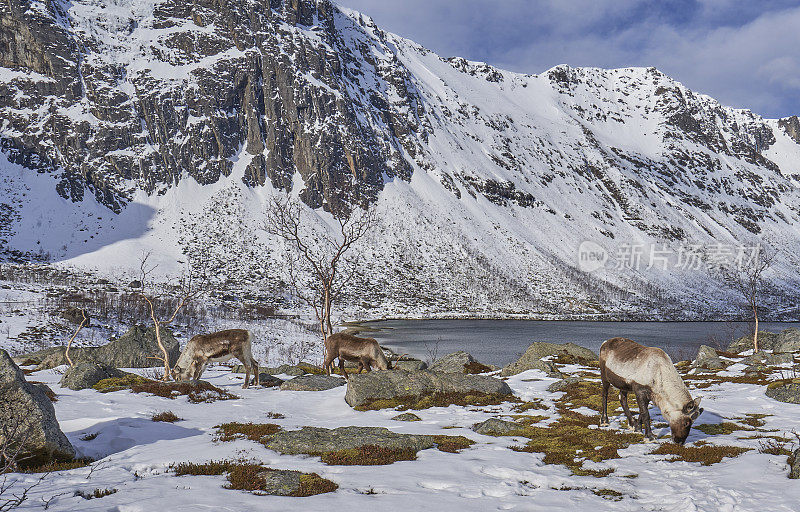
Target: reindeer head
x: 683, y: 423
x: 180, y: 374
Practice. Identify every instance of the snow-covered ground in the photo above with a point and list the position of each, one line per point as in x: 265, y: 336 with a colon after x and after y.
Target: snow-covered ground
x: 133, y: 455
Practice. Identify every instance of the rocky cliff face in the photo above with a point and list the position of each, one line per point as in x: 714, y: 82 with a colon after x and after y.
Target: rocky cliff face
x: 115, y: 95
x: 131, y: 105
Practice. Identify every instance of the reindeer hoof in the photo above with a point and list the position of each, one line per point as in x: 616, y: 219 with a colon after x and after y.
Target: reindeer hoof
x: 650, y: 439
x: 604, y: 424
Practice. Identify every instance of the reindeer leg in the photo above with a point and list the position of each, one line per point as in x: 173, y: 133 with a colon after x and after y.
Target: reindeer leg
x: 365, y: 363
x: 341, y: 367
x: 328, y: 364
x: 623, y: 399
x: 644, y: 413
x: 604, y: 409
x: 246, y: 374
x: 255, y: 365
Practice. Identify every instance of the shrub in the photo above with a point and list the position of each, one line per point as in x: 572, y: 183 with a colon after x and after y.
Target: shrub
x: 166, y: 416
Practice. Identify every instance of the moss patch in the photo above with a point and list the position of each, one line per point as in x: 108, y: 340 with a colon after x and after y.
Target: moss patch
x: 706, y: 454
x: 35, y: 466
x: 166, y: 417
x: 312, y: 484
x: 405, y: 403
x: 198, y: 392
x: 609, y: 494
x: 720, y: 429
x: 368, y: 455
x: 452, y: 444
x: 535, y: 404
x: 474, y: 367
x: 252, y: 431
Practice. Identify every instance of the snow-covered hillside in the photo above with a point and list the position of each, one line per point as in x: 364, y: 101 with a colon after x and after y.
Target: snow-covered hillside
x: 154, y: 125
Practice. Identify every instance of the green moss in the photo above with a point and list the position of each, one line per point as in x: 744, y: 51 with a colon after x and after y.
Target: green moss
x: 119, y: 383
x: 535, y: 404
x: 720, y: 429
x: 368, y: 455
x: 706, y: 454
x: 405, y: 403
x: 312, y: 484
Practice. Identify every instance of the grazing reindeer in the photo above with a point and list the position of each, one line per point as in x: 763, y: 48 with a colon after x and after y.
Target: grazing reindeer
x: 215, y: 347
x: 648, y: 372
x: 347, y: 347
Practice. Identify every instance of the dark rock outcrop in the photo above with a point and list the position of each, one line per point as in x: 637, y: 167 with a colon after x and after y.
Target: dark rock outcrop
x: 367, y: 387
x: 28, y: 417
x: 788, y: 341
x: 785, y: 391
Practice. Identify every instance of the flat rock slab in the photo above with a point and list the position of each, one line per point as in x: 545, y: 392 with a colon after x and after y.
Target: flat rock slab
x: 407, y: 416
x: 86, y: 374
x: 788, y: 392
x: 365, y: 388
x: 561, y: 384
x: 312, y: 383
x: 280, y: 482
x: 495, y: 426
x: 313, y: 440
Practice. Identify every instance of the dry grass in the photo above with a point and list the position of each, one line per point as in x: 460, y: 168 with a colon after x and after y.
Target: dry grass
x: 609, y: 494
x: 166, y: 417
x: 34, y: 466
x: 368, y: 455
x: 474, y: 367
x: 706, y: 454
x: 405, y: 403
x: 252, y: 431
x: 452, y: 444
x: 247, y: 476
x: 536, y: 404
x: 198, y: 392
x: 97, y: 493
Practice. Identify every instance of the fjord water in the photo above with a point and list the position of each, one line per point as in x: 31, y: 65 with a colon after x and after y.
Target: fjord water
x: 500, y: 342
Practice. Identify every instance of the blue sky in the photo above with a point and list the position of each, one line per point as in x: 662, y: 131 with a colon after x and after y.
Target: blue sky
x: 744, y: 53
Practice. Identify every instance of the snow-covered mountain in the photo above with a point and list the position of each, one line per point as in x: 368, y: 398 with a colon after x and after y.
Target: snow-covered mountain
x: 130, y: 125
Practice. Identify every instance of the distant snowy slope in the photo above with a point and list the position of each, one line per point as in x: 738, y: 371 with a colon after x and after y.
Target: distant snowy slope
x: 153, y: 125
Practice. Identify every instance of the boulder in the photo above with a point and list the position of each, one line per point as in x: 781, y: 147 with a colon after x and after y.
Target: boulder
x: 284, y: 369
x: 766, y: 341
x: 495, y: 427
x: 134, y: 349
x: 785, y: 391
x: 268, y: 381
x: 86, y: 374
x: 561, y: 384
x: 280, y: 482
x: 312, y: 383
x: 27, y: 413
x: 766, y: 358
x: 452, y: 363
x: 532, y: 358
x: 312, y: 440
x: 367, y: 387
x: 411, y: 365
x: 787, y: 341
x: 707, y: 357
x: 407, y: 416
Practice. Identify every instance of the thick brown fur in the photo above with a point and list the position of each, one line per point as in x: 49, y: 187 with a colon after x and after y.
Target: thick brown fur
x: 215, y: 347
x: 647, y: 372
x: 346, y: 347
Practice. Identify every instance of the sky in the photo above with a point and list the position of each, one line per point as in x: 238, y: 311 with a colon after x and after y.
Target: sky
x: 746, y: 54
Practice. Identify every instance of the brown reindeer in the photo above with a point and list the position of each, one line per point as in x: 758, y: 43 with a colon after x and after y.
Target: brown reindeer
x: 216, y: 347
x: 347, y: 347
x: 647, y: 372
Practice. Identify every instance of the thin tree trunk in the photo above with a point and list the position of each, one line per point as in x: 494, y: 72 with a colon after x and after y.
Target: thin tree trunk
x: 755, y: 333
x: 69, y: 343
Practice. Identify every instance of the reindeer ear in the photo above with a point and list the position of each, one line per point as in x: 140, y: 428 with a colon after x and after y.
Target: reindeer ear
x: 696, y: 402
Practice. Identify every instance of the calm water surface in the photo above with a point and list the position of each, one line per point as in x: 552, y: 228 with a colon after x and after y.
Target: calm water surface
x: 500, y: 342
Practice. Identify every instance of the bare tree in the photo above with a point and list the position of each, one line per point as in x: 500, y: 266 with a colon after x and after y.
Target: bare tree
x: 192, y: 284
x: 747, y: 278
x: 69, y: 343
x: 320, y: 266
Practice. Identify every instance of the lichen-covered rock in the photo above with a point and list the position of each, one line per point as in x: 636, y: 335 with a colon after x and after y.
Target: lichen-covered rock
x: 268, y: 381
x: 766, y: 358
x: 86, y: 374
x: 412, y: 365
x: 280, y: 482
x: 407, y: 416
x: 452, y: 363
x: 368, y: 387
x: 785, y: 391
x: 27, y: 414
x: 787, y: 341
x: 312, y: 383
x: 134, y: 349
x: 532, y: 358
x: 495, y: 427
x: 707, y: 357
x: 561, y: 384
x: 312, y: 440
x: 766, y: 341
x: 794, y: 464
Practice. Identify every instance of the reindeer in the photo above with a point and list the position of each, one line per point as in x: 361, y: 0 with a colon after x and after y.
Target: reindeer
x: 215, y: 347
x: 347, y: 347
x: 648, y: 372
